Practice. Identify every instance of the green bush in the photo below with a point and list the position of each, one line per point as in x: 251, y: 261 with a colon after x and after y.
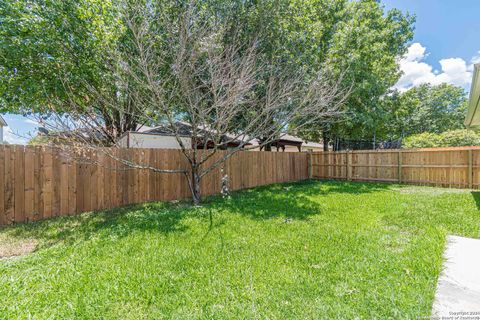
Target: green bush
x: 454, y: 138
x: 422, y: 140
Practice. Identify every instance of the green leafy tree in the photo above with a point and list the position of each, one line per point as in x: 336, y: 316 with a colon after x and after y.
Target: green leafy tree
x: 185, y: 68
x: 453, y: 138
x: 361, y: 42
x: 54, y: 53
x: 426, y: 108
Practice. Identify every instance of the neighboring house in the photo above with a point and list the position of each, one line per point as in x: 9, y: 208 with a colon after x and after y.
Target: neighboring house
x: 3, y: 123
x: 162, y: 137
x: 472, y: 120
x: 156, y: 137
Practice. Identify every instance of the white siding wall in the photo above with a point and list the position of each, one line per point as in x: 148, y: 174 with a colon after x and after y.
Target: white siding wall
x: 1, y: 134
x: 138, y: 140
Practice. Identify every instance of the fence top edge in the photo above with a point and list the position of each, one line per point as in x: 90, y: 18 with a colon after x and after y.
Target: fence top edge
x: 450, y: 149
x: 117, y: 150
x: 446, y: 149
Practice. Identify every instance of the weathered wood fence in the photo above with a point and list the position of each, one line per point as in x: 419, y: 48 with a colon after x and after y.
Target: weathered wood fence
x: 446, y: 167
x: 42, y: 182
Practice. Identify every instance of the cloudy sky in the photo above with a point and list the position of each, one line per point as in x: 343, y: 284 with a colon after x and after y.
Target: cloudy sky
x: 444, y: 49
x: 445, y: 45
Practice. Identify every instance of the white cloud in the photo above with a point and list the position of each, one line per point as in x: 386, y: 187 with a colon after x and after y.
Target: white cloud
x: 415, y: 52
x: 454, y: 71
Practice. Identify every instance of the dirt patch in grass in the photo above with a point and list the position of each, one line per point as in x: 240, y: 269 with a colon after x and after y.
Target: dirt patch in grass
x: 10, y: 248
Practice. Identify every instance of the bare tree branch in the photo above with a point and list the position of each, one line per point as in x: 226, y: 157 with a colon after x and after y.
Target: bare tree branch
x: 222, y: 92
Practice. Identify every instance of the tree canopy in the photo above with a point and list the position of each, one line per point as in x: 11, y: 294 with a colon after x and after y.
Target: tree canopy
x: 362, y: 41
x: 452, y: 138
x: 53, y: 50
x: 427, y: 108
x: 52, y: 47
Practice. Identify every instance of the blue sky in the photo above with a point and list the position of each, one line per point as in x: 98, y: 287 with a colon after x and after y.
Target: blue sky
x: 448, y: 28
x: 445, y: 45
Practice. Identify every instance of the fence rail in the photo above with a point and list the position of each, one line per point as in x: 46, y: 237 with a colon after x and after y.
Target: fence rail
x: 455, y: 167
x: 42, y: 182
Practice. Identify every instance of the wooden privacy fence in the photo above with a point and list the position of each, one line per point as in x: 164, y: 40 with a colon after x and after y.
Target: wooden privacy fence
x: 446, y: 167
x: 42, y: 182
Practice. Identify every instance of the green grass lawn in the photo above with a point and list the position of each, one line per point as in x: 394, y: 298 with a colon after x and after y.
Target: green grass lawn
x: 306, y: 250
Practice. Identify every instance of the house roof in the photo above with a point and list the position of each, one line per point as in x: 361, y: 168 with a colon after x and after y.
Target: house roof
x: 87, y: 134
x: 143, y: 128
x: 185, y: 130
x: 3, y: 123
x: 472, y: 120
x: 288, y: 137
x: 294, y: 140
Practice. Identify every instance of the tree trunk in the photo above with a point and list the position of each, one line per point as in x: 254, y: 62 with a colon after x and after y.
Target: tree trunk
x: 195, y: 187
x: 335, y: 144
x: 325, y: 141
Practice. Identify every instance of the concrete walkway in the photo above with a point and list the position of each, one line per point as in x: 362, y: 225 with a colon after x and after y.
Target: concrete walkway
x: 458, y: 288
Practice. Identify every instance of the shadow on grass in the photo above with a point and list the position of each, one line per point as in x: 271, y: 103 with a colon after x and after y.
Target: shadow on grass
x: 291, y: 200
x: 317, y: 187
x: 114, y: 223
x: 476, y: 197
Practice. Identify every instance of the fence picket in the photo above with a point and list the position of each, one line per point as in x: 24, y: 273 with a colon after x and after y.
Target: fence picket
x: 29, y: 184
x: 9, y: 204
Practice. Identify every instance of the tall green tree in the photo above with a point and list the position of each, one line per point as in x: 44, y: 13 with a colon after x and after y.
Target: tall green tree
x: 357, y: 40
x: 53, y: 52
x: 362, y: 42
x: 42, y: 39
x: 427, y: 108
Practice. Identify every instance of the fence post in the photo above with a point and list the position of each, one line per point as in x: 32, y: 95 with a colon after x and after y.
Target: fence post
x: 399, y: 166
x: 348, y: 165
x: 310, y: 169
x: 470, y: 168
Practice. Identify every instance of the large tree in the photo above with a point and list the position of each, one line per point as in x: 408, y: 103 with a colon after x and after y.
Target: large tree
x: 426, y: 108
x: 52, y: 48
x: 52, y: 51
x: 182, y: 69
x: 361, y: 40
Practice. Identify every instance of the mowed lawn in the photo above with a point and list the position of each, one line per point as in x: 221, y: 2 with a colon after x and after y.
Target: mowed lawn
x: 306, y: 250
